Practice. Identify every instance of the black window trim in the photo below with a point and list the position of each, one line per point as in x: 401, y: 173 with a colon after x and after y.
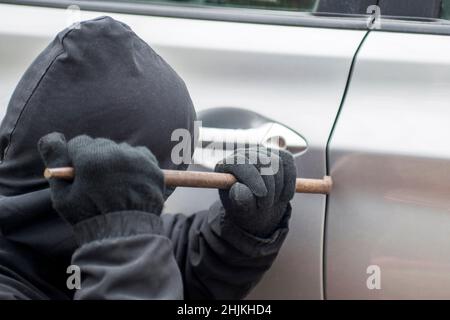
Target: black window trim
x: 244, y: 15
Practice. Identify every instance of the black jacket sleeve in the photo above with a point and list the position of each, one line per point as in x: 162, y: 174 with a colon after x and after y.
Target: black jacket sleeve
x: 121, y: 255
x: 217, y: 259
x: 136, y: 255
x: 125, y: 256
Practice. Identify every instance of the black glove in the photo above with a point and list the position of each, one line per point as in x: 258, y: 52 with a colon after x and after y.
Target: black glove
x: 109, y: 177
x: 257, y: 202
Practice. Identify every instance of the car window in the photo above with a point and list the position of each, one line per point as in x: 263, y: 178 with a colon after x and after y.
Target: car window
x: 394, y: 9
x: 314, y: 6
x: 445, y: 13
x: 294, y: 5
x: 411, y: 9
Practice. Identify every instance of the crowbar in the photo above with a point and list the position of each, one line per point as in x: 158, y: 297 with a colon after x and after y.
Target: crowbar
x: 198, y: 179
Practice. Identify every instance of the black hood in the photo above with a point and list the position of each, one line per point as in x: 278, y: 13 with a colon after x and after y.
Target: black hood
x: 98, y: 79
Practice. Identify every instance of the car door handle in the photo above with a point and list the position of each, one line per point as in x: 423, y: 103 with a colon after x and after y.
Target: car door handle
x: 272, y: 134
x: 217, y: 143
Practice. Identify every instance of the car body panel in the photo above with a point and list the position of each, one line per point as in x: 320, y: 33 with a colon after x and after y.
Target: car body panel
x: 389, y: 157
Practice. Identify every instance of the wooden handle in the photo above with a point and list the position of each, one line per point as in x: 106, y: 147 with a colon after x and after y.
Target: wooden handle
x: 197, y: 179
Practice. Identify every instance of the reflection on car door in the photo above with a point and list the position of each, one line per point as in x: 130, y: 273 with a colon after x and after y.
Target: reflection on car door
x: 390, y: 162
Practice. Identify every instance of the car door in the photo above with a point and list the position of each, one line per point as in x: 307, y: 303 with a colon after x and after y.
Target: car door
x: 253, y: 65
x: 388, y: 217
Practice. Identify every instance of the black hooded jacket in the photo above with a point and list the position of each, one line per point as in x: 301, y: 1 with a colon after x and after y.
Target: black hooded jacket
x: 102, y: 80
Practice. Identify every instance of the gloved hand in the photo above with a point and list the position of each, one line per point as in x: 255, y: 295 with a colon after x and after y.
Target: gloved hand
x: 257, y: 202
x: 109, y: 177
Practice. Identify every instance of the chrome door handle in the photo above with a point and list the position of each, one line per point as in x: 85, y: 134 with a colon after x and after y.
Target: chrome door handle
x: 217, y: 143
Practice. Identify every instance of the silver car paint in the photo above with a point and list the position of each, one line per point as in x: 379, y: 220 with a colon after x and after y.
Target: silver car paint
x: 390, y: 160
x: 293, y: 75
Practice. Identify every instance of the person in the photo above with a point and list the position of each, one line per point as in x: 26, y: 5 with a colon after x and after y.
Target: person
x: 98, y: 98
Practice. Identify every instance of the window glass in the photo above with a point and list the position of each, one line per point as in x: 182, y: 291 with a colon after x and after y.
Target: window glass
x: 294, y: 5
x: 410, y: 9
x: 445, y: 13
